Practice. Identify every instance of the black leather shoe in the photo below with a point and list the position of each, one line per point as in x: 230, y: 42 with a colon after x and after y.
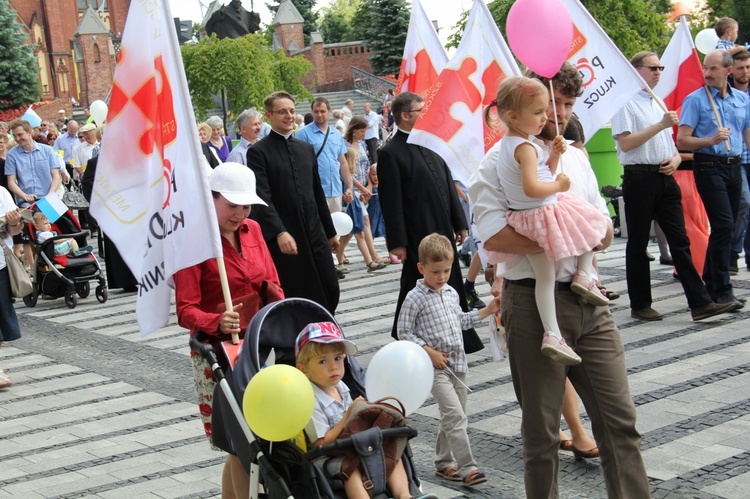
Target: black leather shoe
x: 733, y: 265
x: 646, y: 314
x: 650, y: 257
x: 730, y: 298
x: 666, y: 260
x: 710, y: 309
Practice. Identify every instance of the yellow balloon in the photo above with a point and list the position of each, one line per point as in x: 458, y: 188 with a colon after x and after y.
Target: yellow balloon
x: 278, y: 402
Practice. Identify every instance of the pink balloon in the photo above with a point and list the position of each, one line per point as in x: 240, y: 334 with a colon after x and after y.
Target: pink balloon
x: 540, y: 33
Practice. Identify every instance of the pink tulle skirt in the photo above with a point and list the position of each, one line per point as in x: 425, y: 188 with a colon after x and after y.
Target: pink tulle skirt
x: 570, y: 227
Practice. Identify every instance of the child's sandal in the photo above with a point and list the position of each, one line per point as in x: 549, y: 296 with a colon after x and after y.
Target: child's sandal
x: 450, y: 473
x: 474, y: 478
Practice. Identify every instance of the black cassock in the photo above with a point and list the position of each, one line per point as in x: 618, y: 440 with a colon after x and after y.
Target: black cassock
x: 418, y: 198
x: 286, y: 172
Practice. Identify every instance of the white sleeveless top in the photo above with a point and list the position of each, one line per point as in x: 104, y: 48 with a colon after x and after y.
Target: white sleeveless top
x: 509, y: 173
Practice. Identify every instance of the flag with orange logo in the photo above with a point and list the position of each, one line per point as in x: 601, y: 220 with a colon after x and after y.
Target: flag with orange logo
x: 424, y: 56
x: 452, y: 122
x: 151, y: 194
x: 609, y: 81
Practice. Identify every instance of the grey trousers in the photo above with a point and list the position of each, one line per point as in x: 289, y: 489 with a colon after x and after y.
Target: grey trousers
x: 600, y: 381
x: 453, y: 442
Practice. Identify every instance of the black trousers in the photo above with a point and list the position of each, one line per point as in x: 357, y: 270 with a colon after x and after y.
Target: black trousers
x: 720, y: 188
x: 655, y: 196
x: 372, y: 149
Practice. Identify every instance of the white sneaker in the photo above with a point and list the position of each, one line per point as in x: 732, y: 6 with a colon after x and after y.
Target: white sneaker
x: 586, y: 287
x: 556, y: 349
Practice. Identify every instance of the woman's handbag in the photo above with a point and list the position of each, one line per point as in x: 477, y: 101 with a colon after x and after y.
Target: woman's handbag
x: 20, y: 282
x: 73, y: 198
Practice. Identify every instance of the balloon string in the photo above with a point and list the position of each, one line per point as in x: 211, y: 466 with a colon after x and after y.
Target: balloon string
x: 454, y: 375
x: 554, y: 111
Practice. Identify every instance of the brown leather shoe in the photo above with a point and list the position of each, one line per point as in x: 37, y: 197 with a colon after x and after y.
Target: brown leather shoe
x: 710, y: 309
x: 646, y: 314
x: 586, y: 454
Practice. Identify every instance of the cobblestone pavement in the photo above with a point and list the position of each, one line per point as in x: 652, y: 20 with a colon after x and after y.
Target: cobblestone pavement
x: 97, y: 411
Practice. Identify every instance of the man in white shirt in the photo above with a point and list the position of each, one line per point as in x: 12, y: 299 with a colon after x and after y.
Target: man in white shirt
x: 372, y: 134
x: 83, y: 152
x: 539, y: 382
x: 347, y: 112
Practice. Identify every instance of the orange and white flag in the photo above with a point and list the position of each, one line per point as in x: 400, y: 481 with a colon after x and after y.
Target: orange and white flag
x: 452, y: 122
x: 151, y: 194
x: 424, y: 56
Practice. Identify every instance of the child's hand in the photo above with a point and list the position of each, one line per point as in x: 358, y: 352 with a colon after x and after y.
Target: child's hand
x: 439, y: 359
x: 494, y: 305
x: 349, y: 409
x: 563, y: 182
x: 559, y: 145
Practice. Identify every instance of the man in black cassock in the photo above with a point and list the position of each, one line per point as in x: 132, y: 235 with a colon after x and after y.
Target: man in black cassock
x: 418, y: 198
x: 296, y: 224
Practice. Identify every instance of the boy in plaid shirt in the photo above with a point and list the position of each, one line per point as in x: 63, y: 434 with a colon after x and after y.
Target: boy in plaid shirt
x: 432, y: 318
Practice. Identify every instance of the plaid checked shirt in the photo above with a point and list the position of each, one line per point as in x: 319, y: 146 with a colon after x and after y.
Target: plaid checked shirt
x: 434, y: 318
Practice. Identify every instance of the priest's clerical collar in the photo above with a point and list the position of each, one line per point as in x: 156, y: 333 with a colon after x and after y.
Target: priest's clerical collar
x: 283, y: 135
x: 401, y: 130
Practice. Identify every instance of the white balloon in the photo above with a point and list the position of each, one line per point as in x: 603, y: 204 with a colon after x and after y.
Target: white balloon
x: 342, y: 222
x: 98, y: 110
x: 705, y: 40
x: 401, y: 369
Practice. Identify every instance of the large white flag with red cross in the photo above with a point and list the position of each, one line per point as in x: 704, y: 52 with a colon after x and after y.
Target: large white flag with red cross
x: 452, y: 122
x: 151, y: 194
x: 424, y: 56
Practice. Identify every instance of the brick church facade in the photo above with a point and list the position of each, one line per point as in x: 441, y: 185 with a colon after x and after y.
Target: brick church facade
x: 75, y: 44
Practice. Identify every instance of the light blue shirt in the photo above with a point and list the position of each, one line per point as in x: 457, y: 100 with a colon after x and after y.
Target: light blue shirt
x: 329, y: 167
x: 239, y: 153
x: 265, y: 129
x: 32, y: 168
x: 66, y: 144
x: 733, y: 110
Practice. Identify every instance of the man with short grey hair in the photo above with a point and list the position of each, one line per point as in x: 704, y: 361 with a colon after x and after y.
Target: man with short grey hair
x: 248, y: 123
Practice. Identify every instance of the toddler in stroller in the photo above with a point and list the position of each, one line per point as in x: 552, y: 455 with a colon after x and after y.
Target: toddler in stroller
x: 63, y: 262
x: 271, y: 337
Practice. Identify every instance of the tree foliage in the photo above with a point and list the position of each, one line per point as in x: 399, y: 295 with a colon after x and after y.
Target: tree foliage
x: 640, y: 26
x: 305, y: 8
x: 19, y: 73
x: 337, y: 21
x: 385, y: 24
x: 244, y: 68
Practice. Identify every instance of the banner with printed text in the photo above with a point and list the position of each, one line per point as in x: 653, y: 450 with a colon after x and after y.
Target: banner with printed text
x: 151, y: 194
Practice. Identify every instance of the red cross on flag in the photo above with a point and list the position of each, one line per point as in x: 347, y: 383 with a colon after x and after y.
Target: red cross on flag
x: 151, y: 194
x: 452, y: 122
x: 424, y: 56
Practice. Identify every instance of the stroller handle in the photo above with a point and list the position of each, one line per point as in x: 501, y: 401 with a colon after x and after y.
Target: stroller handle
x: 342, y: 443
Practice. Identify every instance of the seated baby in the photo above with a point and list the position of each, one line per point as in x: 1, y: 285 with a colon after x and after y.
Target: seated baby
x: 62, y: 247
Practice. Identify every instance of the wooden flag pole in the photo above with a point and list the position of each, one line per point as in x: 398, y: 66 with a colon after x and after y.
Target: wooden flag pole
x: 716, y: 114
x: 225, y: 291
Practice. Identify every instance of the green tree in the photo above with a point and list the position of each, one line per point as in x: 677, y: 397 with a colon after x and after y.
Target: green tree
x: 640, y: 26
x: 243, y: 70
x: 387, y: 22
x: 19, y: 73
x: 305, y: 8
x: 336, y: 21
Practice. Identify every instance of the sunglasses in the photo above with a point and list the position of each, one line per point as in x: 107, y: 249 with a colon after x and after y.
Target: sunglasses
x: 654, y: 68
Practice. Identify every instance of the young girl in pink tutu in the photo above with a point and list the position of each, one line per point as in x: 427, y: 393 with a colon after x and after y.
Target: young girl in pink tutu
x: 541, y: 209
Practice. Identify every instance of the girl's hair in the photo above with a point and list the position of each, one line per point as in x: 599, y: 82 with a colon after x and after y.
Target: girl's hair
x: 356, y: 123
x: 513, y: 94
x: 352, y: 155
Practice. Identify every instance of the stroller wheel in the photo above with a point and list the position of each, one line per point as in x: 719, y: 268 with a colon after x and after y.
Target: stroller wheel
x: 31, y: 299
x: 71, y: 300
x: 101, y: 293
x: 84, y: 289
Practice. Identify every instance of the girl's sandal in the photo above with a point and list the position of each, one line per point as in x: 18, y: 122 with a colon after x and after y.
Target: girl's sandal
x: 373, y: 266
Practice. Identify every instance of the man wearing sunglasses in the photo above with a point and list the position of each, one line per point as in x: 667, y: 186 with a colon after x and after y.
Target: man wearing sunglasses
x: 717, y: 162
x: 643, y: 133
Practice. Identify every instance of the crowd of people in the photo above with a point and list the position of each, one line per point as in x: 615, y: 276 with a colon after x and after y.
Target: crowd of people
x: 278, y: 191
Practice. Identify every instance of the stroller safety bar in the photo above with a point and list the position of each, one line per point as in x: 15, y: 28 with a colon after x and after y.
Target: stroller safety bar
x: 342, y: 443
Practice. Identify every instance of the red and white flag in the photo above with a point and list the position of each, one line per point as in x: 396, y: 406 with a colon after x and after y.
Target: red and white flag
x: 424, y: 56
x: 452, y: 122
x: 151, y: 194
x: 609, y: 80
x: 683, y: 70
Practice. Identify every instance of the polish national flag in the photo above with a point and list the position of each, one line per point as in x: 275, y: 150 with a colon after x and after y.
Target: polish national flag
x: 452, y: 120
x: 424, y: 56
x: 151, y: 193
x: 683, y: 71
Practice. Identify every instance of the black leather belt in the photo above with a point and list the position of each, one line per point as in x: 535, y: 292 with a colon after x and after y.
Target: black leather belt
x: 641, y: 168
x: 531, y: 283
x: 710, y: 158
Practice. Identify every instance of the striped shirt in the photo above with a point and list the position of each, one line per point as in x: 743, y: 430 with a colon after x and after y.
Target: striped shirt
x: 328, y: 411
x: 434, y: 318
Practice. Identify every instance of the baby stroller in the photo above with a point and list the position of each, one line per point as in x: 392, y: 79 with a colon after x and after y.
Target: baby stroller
x: 285, y: 470
x: 64, y: 275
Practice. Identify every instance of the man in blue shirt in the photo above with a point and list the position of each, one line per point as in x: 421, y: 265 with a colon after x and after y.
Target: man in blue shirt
x: 717, y: 162
x: 66, y: 142
x: 740, y: 80
x: 330, y: 150
x: 32, y: 169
